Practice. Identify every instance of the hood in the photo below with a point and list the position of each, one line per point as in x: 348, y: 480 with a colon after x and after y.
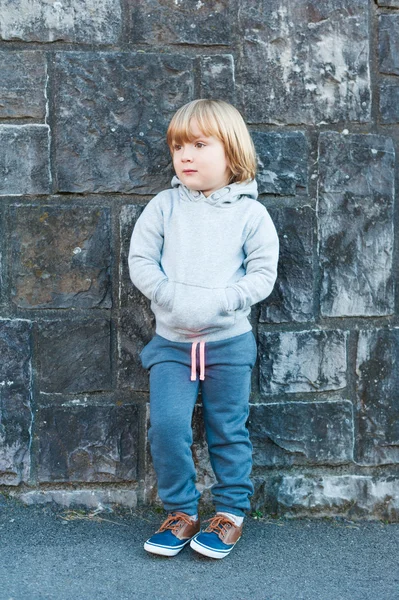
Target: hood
x: 225, y: 197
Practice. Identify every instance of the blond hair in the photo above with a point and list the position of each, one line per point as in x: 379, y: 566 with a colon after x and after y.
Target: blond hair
x: 222, y: 120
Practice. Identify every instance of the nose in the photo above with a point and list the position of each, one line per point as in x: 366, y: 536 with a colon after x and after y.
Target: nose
x: 186, y: 154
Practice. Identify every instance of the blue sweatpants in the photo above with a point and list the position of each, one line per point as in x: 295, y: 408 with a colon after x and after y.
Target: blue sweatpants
x: 225, y: 377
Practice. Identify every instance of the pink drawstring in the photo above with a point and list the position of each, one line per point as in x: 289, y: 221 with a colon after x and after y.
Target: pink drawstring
x: 194, y: 361
x: 202, y: 360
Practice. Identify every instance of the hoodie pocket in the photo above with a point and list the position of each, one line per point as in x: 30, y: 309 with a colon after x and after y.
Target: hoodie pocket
x: 198, y: 308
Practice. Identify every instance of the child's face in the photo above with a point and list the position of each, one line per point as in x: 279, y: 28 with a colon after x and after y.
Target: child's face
x: 201, y: 164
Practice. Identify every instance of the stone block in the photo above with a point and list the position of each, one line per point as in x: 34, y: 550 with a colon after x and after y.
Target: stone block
x: 389, y: 44
x: 74, y: 356
x: 389, y: 103
x: 24, y: 160
x: 15, y: 401
x: 79, y: 21
x: 62, y: 257
x: 304, y: 61
x: 353, y: 496
x: 355, y: 222
x: 22, y: 85
x: 301, y: 433
x: 282, y: 162
x: 302, y: 361
x: 388, y: 3
x: 180, y: 22
x: 87, y: 443
x: 216, y: 77
x: 377, y: 385
x: 112, y: 111
x: 97, y: 499
x: 292, y: 297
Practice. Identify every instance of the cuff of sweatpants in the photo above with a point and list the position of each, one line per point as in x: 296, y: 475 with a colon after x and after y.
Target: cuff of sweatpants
x: 233, y: 511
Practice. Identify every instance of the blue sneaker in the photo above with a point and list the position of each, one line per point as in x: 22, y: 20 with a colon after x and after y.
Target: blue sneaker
x: 175, y: 532
x: 218, y: 539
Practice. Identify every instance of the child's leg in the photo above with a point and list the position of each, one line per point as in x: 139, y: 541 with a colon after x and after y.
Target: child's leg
x: 225, y: 397
x: 172, y: 400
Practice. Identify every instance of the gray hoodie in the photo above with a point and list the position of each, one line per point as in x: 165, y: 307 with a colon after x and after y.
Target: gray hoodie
x: 204, y: 261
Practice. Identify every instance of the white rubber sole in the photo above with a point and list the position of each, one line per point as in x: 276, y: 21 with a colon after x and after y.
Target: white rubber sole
x: 164, y: 550
x: 201, y: 549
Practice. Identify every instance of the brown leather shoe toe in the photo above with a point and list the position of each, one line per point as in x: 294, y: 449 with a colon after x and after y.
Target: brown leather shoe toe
x: 218, y: 539
x: 174, y: 533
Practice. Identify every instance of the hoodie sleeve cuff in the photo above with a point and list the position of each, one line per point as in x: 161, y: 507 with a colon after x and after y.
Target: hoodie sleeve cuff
x: 233, y: 299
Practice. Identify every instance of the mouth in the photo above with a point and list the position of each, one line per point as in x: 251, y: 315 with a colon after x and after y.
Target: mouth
x: 189, y: 171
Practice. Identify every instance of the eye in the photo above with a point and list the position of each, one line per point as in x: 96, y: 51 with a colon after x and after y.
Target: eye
x: 177, y: 147
x: 200, y: 144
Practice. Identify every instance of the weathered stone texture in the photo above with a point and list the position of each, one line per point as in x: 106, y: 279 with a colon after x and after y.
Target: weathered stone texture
x: 89, y: 498
x: 62, y: 257
x: 87, y: 443
x: 15, y: 401
x: 305, y: 61
x: 24, y: 160
x: 355, y: 220
x: 389, y: 103
x: 180, y: 22
x: 292, y: 296
x: 81, y: 21
x: 282, y: 162
x: 377, y: 393
x: 112, y: 112
x: 2, y: 236
x: 22, y: 84
x: 217, y: 77
x: 74, y: 356
x: 389, y: 44
x: 298, y: 433
x: 352, y: 495
x: 302, y: 361
x: 389, y: 3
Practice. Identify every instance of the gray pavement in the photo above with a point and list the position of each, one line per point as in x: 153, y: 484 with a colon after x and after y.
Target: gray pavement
x: 48, y: 552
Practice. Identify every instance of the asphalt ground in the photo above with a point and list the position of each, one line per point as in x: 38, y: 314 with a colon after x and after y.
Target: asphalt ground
x: 50, y: 552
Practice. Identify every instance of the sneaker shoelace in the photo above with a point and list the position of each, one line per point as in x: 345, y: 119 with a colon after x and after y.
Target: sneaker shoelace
x: 175, y: 521
x: 219, y: 524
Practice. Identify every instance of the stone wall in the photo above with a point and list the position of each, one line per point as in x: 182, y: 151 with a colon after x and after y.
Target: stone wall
x: 86, y: 93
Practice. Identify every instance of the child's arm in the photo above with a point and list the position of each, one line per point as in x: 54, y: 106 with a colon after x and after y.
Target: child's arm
x: 261, y: 248
x: 145, y: 255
